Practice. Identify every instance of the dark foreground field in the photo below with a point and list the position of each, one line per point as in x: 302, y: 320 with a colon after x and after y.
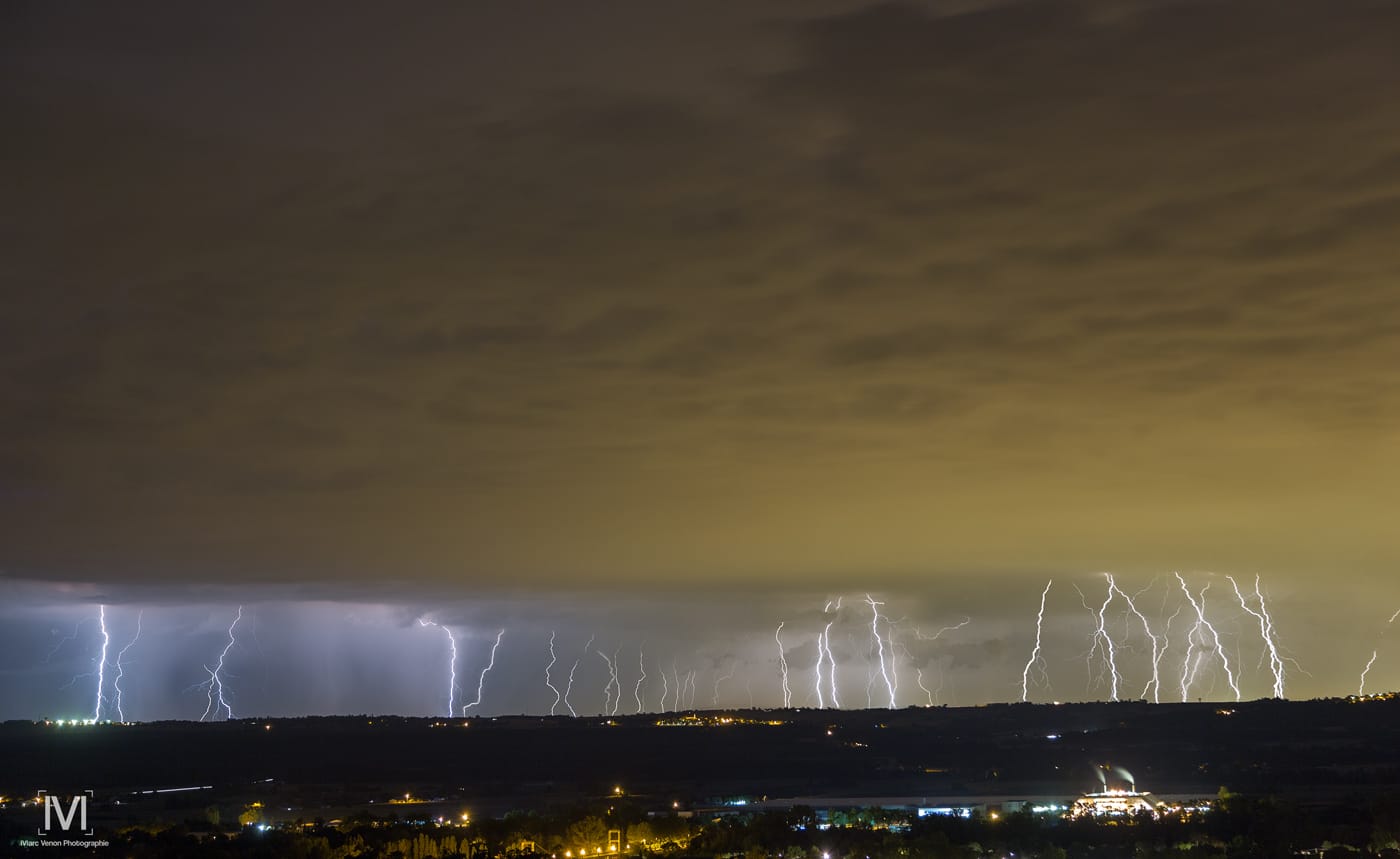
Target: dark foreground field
x: 1296, y: 748
x: 1316, y: 755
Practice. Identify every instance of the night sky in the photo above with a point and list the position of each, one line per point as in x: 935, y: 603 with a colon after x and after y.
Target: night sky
x: 669, y: 322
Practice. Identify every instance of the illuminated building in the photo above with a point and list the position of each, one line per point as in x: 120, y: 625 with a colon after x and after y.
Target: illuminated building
x: 1115, y: 803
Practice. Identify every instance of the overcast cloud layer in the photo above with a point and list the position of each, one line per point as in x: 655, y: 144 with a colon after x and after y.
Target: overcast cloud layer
x: 648, y: 298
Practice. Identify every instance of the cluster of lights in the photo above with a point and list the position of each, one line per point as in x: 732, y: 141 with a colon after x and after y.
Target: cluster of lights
x: 1374, y: 696
x: 1113, y: 802
x: 946, y: 811
x: 700, y: 720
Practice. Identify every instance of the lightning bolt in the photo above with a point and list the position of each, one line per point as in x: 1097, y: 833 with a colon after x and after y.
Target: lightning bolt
x: 552, y: 659
x: 1361, y: 690
x: 1158, y: 645
x: 569, y: 688
x: 891, y: 685
x: 117, y: 680
x: 215, y: 683
x: 831, y: 658
x: 609, y: 705
x: 617, y: 702
x: 918, y: 670
x: 1266, y: 631
x: 607, y: 686
x: 451, y: 666
x: 1374, y: 654
x: 1189, y: 669
x: 101, y: 661
x: 676, y: 700
x: 824, y: 651
x: 783, y: 666
x: 919, y: 674
x: 939, y: 634
x: 690, y: 699
x: 481, y: 681
x: 642, y: 666
x: 718, y: 680
x: 1102, y: 641
x: 1036, y: 662
x: 665, y: 687
x: 1269, y: 625
x: 1166, y: 630
x: 870, y: 673
x: 65, y: 639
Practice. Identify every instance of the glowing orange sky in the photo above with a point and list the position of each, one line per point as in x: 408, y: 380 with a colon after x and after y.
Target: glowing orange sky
x: 775, y: 294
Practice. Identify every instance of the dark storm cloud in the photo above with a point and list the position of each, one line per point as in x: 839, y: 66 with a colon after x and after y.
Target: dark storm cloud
x: 776, y: 297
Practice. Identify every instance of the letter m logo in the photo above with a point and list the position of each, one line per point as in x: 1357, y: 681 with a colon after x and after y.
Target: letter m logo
x: 76, y: 812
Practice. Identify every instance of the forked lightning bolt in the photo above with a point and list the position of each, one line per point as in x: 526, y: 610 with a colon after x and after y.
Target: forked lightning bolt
x: 1158, y: 644
x: 1266, y: 631
x: 1196, y: 636
x: 215, y: 683
x: 612, y: 687
x: 1102, y: 642
x: 891, y: 683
